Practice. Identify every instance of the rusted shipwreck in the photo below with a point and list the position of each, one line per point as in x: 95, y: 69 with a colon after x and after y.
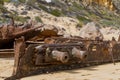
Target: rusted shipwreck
x: 56, y: 53
x: 61, y: 54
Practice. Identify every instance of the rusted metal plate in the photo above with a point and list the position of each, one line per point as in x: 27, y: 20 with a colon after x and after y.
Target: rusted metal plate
x: 9, y: 33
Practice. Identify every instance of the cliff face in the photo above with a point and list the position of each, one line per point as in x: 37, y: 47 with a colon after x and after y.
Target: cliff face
x: 107, y: 3
x: 68, y: 16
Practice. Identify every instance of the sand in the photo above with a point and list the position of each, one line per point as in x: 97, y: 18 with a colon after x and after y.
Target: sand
x: 99, y: 72
x: 6, y: 67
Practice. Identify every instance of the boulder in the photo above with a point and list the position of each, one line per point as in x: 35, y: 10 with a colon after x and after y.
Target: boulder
x: 90, y: 31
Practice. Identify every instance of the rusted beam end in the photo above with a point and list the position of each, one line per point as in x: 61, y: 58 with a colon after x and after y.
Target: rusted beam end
x: 119, y: 38
x: 19, y: 46
x: 113, y: 42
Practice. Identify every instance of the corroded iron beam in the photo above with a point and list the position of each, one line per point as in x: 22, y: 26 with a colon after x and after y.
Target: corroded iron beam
x: 6, y: 53
x: 24, y: 32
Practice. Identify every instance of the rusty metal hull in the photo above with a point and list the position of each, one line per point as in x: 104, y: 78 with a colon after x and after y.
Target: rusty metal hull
x: 42, y: 58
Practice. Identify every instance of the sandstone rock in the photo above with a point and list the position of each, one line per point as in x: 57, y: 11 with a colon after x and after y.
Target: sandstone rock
x: 90, y: 31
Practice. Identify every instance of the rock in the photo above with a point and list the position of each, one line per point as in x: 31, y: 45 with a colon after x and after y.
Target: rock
x: 90, y: 31
x: 116, y: 4
x: 49, y: 30
x: 48, y: 1
x: 28, y: 8
x: 24, y: 13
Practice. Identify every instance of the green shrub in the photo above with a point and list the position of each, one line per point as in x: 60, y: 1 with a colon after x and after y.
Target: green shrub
x: 20, y: 18
x: 56, y: 12
x: 3, y: 9
x: 77, y: 6
x: 83, y: 19
x: 6, y: 0
x: 31, y: 2
x: 43, y: 7
x: 1, y: 2
x: 22, y: 1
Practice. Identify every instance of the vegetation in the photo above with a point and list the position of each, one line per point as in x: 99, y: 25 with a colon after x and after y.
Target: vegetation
x: 1, y: 2
x: 78, y: 6
x: 38, y: 19
x: 79, y: 25
x: 22, y: 1
x: 6, y: 0
x: 20, y: 19
x: 43, y: 7
x: 83, y: 19
x: 56, y: 12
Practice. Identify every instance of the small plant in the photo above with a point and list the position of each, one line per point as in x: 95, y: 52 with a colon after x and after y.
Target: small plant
x: 38, y: 19
x: 79, y: 25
